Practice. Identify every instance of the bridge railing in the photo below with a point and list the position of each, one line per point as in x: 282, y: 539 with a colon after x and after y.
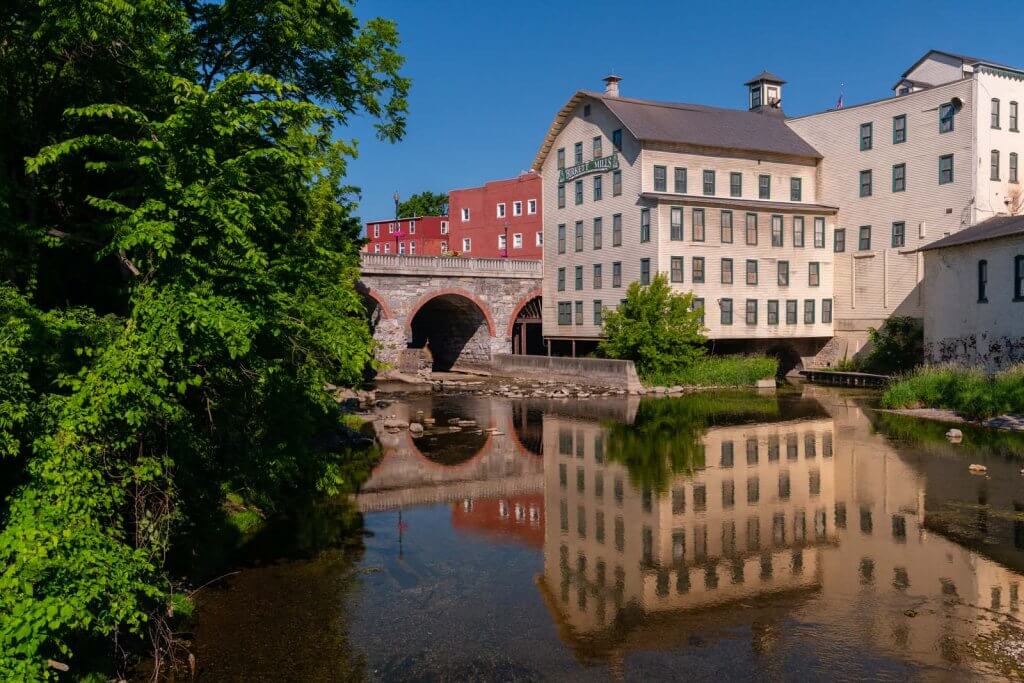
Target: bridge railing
x: 455, y: 265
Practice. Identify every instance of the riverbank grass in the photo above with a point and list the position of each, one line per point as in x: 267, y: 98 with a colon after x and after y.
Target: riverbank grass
x: 716, y: 371
x: 970, y: 392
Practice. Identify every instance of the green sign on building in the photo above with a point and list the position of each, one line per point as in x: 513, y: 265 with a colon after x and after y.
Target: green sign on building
x: 608, y: 163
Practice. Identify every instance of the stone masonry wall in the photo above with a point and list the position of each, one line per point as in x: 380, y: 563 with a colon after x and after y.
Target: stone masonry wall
x: 497, y: 296
x: 992, y: 353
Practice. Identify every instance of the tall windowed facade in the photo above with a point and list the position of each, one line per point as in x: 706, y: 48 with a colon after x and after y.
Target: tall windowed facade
x: 904, y: 165
x: 684, y: 212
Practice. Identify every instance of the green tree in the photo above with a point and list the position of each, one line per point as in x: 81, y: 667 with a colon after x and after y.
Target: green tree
x: 656, y: 328
x: 897, y: 346
x: 178, y: 254
x: 425, y: 203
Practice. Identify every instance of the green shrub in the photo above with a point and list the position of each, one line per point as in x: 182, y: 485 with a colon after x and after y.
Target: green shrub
x: 965, y: 390
x: 722, y: 371
x: 847, y: 365
x: 1009, y: 387
x: 655, y: 328
x: 898, y: 346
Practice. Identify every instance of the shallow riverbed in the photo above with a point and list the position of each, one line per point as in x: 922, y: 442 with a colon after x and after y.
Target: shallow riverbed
x: 725, y: 535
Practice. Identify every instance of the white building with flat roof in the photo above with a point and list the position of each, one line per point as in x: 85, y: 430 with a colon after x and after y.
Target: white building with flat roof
x: 938, y: 156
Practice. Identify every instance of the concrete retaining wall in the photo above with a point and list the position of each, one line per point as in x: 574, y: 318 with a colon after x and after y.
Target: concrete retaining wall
x: 617, y: 374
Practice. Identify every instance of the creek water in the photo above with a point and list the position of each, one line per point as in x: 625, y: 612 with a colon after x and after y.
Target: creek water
x: 802, y: 535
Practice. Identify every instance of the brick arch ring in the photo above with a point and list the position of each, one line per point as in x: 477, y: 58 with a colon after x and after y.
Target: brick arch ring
x: 430, y: 296
x: 520, y: 306
x: 381, y: 301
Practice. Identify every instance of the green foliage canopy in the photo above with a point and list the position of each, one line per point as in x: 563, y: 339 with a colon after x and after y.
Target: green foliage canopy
x: 425, y: 203
x: 666, y: 437
x: 178, y: 255
x: 656, y: 328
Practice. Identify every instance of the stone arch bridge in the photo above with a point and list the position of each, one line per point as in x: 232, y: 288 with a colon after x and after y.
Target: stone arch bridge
x: 445, y: 311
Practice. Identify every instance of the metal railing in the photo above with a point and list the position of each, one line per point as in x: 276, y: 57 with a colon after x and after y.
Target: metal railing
x: 459, y: 265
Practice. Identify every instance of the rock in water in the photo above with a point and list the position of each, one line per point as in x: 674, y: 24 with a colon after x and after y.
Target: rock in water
x: 977, y: 469
x: 955, y: 435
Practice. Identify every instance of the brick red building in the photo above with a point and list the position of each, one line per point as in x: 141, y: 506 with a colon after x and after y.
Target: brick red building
x: 479, y: 216
x: 416, y: 236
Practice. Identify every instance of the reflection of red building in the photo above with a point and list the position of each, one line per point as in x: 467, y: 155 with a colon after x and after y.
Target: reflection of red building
x: 417, y: 236
x: 480, y: 215
x: 519, y: 519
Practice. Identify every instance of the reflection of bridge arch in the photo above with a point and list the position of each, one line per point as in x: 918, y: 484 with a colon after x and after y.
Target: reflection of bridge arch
x: 454, y: 449
x: 454, y: 324
x: 468, y: 463
x: 528, y: 427
x: 407, y: 473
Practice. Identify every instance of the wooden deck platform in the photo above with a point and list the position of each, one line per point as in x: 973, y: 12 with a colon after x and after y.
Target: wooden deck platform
x: 848, y: 379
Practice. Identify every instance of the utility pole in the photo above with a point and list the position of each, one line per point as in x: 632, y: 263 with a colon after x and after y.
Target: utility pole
x: 398, y: 225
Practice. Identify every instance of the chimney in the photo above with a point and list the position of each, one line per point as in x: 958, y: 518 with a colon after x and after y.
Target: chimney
x: 611, y: 85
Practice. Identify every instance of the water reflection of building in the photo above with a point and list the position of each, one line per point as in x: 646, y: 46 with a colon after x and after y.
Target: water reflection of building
x: 820, y: 517
x: 740, y: 526
x: 885, y: 548
x: 518, y: 519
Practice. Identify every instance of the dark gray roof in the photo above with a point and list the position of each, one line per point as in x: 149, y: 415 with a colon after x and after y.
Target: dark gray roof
x: 765, y: 76
x: 963, y: 58
x: 697, y: 124
x: 993, y: 228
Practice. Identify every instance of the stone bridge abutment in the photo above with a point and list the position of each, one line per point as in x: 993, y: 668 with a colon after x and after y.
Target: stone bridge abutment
x: 462, y: 310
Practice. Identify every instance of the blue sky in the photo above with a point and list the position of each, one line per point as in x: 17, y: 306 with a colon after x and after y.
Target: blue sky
x: 488, y: 77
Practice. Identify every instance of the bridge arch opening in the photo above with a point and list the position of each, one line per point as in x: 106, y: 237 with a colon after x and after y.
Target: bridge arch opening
x: 526, y: 334
x: 375, y: 311
x: 787, y: 355
x: 454, y: 329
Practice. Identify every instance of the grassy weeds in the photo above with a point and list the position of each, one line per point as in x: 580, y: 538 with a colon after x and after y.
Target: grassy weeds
x: 969, y: 392
x: 244, y: 518
x: 722, y: 371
